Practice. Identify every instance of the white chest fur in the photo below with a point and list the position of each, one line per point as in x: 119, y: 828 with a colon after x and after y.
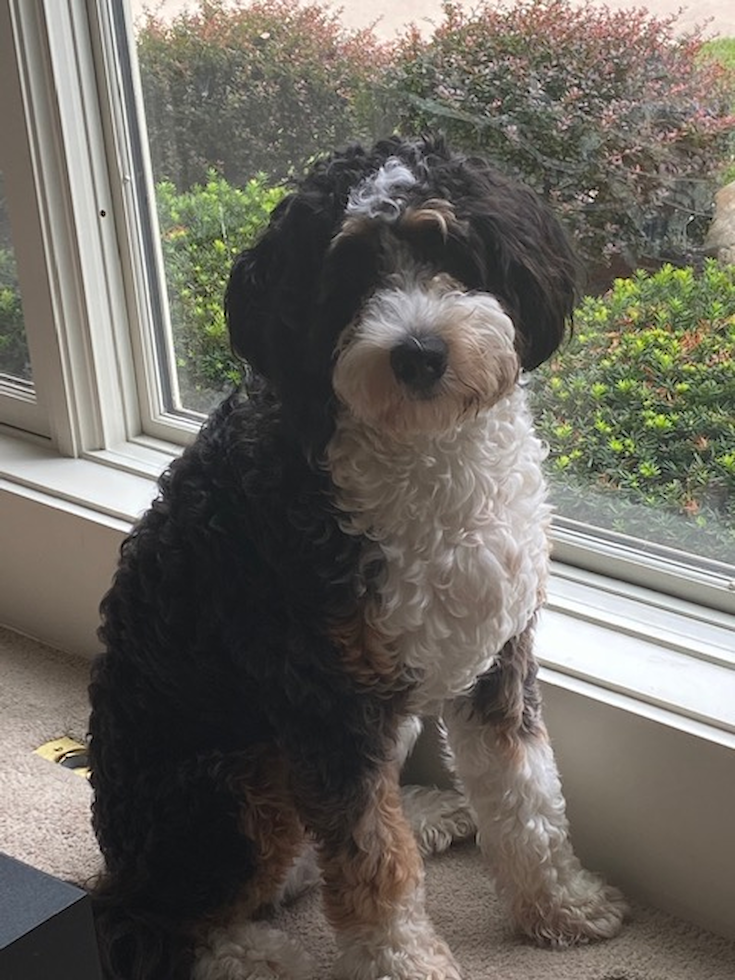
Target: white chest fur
x: 460, y: 522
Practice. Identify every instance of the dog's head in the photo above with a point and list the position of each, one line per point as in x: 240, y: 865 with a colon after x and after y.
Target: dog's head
x: 405, y: 284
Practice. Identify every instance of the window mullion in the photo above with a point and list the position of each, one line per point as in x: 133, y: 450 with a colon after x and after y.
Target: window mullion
x: 20, y: 406
x: 149, y: 330
x: 84, y: 357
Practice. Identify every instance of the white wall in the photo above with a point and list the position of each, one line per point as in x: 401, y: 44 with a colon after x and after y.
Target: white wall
x: 55, y: 565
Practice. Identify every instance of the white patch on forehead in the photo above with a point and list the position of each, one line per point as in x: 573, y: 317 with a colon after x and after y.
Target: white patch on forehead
x: 383, y: 193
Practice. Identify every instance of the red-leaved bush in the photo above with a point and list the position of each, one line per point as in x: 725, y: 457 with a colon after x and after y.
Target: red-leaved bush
x: 254, y: 88
x: 609, y: 115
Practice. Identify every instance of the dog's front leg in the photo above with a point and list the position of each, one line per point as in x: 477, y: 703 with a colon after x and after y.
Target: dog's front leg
x: 503, y: 757
x: 374, y: 884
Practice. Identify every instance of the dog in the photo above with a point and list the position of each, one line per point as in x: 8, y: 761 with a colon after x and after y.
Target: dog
x: 356, y: 539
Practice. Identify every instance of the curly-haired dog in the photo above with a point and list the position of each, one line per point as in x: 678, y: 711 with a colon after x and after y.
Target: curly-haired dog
x: 358, y: 539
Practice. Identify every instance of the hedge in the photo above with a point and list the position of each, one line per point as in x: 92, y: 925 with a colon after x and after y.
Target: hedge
x: 640, y: 406
x: 248, y: 88
x: 619, y: 123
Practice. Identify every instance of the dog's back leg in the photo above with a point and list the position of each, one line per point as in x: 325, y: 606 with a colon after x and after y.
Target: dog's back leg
x: 192, y: 850
x: 502, y: 755
x: 233, y: 946
x: 438, y: 817
x: 250, y: 950
x: 173, y: 856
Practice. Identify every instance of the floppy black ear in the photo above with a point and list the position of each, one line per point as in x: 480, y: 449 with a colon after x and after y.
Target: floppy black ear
x: 272, y: 302
x: 527, y: 260
x: 542, y: 275
x: 246, y: 308
x: 249, y: 298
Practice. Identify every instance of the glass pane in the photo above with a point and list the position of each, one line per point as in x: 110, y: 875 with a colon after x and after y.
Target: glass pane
x: 14, y: 357
x: 639, y: 410
x: 620, y: 117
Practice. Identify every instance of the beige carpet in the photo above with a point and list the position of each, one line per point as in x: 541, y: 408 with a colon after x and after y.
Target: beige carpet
x: 44, y: 821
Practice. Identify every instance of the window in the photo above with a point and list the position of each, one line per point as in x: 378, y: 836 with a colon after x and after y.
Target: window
x: 158, y: 143
x: 15, y: 360
x: 18, y: 402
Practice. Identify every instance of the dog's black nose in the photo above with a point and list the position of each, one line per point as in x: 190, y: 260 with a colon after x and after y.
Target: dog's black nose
x: 419, y: 362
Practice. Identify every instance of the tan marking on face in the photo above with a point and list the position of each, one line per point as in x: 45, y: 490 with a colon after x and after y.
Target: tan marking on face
x: 355, y: 226
x: 487, y: 372
x: 434, y: 213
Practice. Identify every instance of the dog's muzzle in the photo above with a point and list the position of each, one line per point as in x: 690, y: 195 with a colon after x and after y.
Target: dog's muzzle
x: 419, y: 362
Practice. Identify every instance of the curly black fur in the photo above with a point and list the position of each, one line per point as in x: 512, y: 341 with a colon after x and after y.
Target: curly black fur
x: 217, y: 627
x: 215, y: 632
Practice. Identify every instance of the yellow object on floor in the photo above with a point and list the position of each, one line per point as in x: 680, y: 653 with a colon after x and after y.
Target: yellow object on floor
x: 68, y: 753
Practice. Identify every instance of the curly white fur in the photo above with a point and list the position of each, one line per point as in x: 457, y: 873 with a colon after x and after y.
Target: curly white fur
x: 524, y: 833
x: 460, y: 520
x: 405, y: 948
x: 383, y: 192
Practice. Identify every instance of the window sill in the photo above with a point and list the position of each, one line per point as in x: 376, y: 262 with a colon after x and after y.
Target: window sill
x: 665, y: 653
x: 105, y: 491
x: 639, y: 690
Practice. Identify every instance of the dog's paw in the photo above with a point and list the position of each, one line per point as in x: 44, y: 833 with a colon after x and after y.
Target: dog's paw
x: 585, y: 911
x: 438, y: 817
x: 250, y: 951
x: 432, y: 961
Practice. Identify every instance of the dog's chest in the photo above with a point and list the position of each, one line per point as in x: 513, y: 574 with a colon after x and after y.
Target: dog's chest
x: 459, y: 527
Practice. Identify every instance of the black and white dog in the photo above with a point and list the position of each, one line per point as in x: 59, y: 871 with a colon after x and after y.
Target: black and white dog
x: 357, y: 539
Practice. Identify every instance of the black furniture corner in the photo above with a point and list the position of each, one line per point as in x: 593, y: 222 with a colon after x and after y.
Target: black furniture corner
x: 46, y: 928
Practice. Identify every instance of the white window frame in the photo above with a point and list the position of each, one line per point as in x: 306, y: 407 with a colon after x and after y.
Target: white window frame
x: 653, y: 654
x: 19, y: 404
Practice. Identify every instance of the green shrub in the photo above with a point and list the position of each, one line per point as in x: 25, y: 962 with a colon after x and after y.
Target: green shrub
x: 251, y: 89
x: 202, y: 230
x: 722, y: 51
x: 14, y: 356
x: 641, y: 403
x: 609, y: 115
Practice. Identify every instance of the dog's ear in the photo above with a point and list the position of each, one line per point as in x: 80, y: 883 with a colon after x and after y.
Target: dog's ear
x: 541, y: 275
x: 528, y: 261
x: 246, y: 306
x: 249, y: 298
x: 271, y: 303
x: 271, y: 290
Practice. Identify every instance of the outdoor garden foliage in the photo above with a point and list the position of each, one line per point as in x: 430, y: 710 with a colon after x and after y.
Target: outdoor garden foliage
x: 14, y: 358
x: 615, y: 120
x: 642, y: 400
x: 623, y: 126
x: 256, y: 87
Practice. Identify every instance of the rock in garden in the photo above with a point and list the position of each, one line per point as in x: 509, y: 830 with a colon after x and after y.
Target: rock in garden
x: 720, y: 240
